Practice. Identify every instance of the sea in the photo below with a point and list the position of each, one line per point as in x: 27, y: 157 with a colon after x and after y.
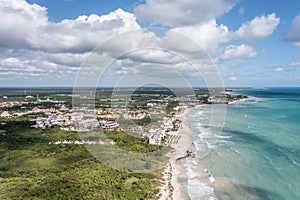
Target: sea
x: 256, y: 154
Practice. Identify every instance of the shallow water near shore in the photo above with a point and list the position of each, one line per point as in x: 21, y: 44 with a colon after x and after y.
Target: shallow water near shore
x: 257, y: 153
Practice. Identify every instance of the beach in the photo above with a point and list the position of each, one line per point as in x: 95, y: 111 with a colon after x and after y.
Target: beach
x: 254, y: 158
x: 170, y: 188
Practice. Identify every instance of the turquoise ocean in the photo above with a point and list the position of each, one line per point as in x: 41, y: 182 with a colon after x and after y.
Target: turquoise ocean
x: 257, y: 154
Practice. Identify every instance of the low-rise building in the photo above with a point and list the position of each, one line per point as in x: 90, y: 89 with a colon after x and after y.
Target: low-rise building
x: 5, y: 114
x: 42, y: 122
x: 109, y: 125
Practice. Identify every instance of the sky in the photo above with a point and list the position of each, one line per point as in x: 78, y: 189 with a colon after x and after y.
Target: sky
x: 238, y: 43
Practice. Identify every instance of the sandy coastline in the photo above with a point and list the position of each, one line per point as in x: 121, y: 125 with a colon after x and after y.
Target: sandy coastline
x: 170, y: 188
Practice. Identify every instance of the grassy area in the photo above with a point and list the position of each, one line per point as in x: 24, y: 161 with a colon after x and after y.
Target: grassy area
x: 31, y: 168
x: 171, y: 105
x: 144, y: 121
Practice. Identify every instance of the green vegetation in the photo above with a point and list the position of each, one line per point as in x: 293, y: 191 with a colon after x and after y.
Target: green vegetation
x: 144, y: 121
x: 131, y: 143
x: 31, y: 168
x: 130, y: 153
x: 171, y: 105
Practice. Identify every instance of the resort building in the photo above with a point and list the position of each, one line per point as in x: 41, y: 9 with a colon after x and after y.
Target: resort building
x: 155, y: 136
x: 42, y: 122
x: 108, y: 125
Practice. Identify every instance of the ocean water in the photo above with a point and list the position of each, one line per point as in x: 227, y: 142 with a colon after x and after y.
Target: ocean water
x: 257, y: 154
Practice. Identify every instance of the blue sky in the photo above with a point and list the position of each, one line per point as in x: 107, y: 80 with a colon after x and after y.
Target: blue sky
x: 252, y: 43
x: 70, y: 9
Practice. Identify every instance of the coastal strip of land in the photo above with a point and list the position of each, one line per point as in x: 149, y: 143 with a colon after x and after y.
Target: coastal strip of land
x: 170, y: 188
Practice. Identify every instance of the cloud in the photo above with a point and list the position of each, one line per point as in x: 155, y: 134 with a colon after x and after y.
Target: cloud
x: 128, y: 41
x: 26, y: 26
x: 32, y: 47
x: 16, y: 68
x: 258, y: 28
x: 159, y: 56
x: 67, y: 59
x: 279, y: 69
x: 18, y: 21
x: 83, y: 33
x: 182, y: 13
x: 285, y: 66
x: 232, y: 78
x: 292, y: 34
x: 207, y: 35
x: 293, y: 64
x: 241, y: 51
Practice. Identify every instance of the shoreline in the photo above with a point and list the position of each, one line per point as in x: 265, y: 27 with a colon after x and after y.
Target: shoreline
x: 239, y: 101
x: 170, y: 188
x: 249, y: 98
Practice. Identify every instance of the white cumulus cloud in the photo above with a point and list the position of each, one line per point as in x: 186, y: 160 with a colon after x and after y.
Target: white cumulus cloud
x: 83, y: 33
x: 242, y: 51
x: 182, y: 13
x: 25, y: 25
x: 258, y: 28
x: 207, y: 35
x: 18, y: 20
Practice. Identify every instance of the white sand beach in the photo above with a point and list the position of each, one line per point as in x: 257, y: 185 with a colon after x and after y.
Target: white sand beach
x: 171, y: 189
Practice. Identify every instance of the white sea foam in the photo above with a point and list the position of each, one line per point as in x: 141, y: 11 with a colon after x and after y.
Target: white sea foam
x: 234, y: 150
x: 246, y: 100
x: 197, y: 186
x: 199, y: 190
x: 224, y: 136
x: 292, y: 161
